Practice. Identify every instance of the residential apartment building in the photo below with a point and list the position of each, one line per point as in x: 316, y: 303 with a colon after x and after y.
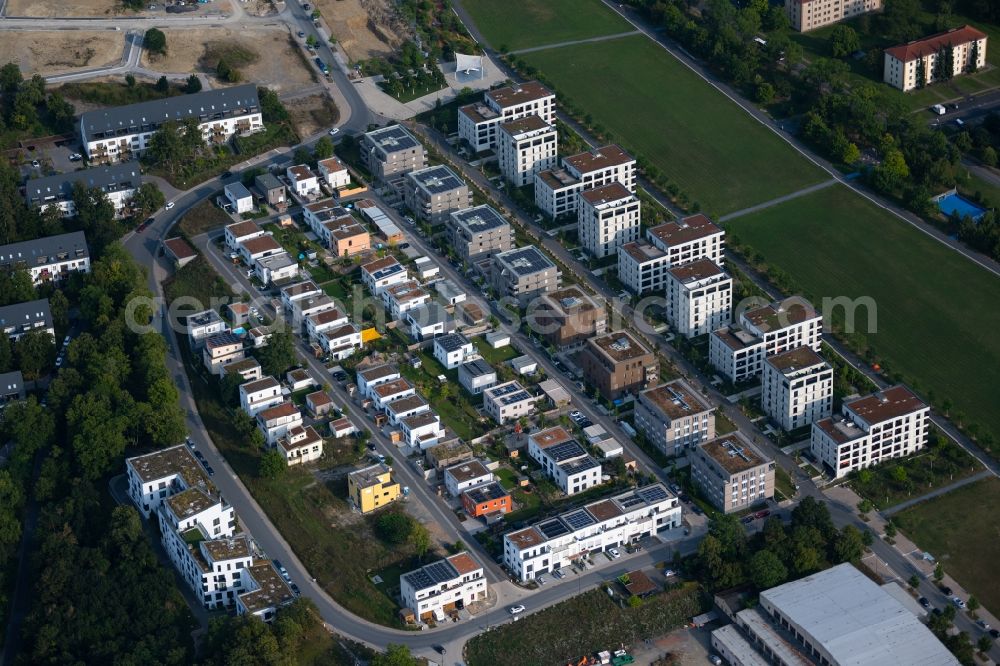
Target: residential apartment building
x: 434, y: 193
x: 806, y: 15
x: 239, y: 197
x: 478, y: 233
x: 303, y: 308
x: 797, y: 388
x: 402, y: 408
x: 476, y: 376
x: 913, y: 65
x: 258, y: 395
x: 479, y: 123
x: 699, y: 298
x: 739, y: 351
x: 616, y: 363
x: 568, y: 317
x: 297, y: 292
x: 240, y: 232
x: 524, y: 273
x: 888, y: 424
x: 276, y: 421
x: 525, y: 147
x: 11, y: 387
x: 155, y: 476
x: 220, y: 350
x: 390, y: 152
x: 118, y: 182
x: 382, y: 273
x: 302, y: 180
x: 507, y: 402
x: 468, y: 474
x: 486, y: 500
x: 258, y: 248
x: 121, y: 133
x: 300, y: 445
x: 203, y: 325
x: 21, y: 318
x: 453, y: 349
x: 271, y: 190
x: 278, y: 268
x: 609, y: 523
x: 642, y: 267
x: 440, y: 588
x: 48, y: 259
x: 557, y: 190
x: 318, y: 213
x: 324, y: 321
x: 369, y: 378
x: 693, y: 237
x: 422, y: 430
x: 674, y: 417
x: 346, y: 240
x: 341, y: 342
x: 564, y: 460
x: 607, y: 218
x: 732, y: 473
x: 372, y: 487
x: 387, y: 392
x: 428, y: 320
x: 334, y: 172
x: 248, y: 370
x: 404, y: 297
x: 266, y: 592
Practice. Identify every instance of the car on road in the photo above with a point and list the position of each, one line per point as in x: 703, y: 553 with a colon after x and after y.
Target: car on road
x: 946, y: 591
x: 301, y: 34
x: 67, y: 340
x: 281, y: 569
x: 208, y: 468
x: 200, y: 456
x: 226, y: 174
x: 994, y: 633
x: 306, y: 6
x: 924, y: 602
x: 983, y: 625
x: 371, y: 447
x: 75, y: 157
x: 514, y: 610
x: 340, y: 376
x: 170, y: 204
x: 295, y: 589
x: 59, y: 360
x: 335, y: 131
x: 958, y: 602
x: 585, y: 423
x: 613, y: 552
x: 746, y: 520
x: 441, y: 649
x: 762, y: 514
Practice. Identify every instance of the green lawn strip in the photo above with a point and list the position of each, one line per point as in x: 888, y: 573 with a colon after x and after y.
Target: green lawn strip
x: 410, y: 94
x: 783, y: 482
x: 446, y: 398
x: 961, y: 529
x: 206, y: 216
x: 969, y: 184
x: 518, y: 24
x: 583, y: 625
x: 724, y: 159
x: 933, y: 323
x: 494, y: 357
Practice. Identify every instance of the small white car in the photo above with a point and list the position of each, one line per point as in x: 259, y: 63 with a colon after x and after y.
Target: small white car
x: 170, y: 204
x: 334, y: 131
x: 613, y: 552
x: 514, y: 610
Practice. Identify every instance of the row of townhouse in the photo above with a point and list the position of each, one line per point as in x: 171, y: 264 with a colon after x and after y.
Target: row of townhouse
x: 643, y: 265
x: 48, y: 259
x: 556, y: 542
x: 118, y: 183
x: 18, y: 319
x: 336, y: 228
x: 265, y: 256
x: 198, y: 529
x: 395, y: 396
x: 315, y: 314
x: 564, y: 460
x: 306, y: 183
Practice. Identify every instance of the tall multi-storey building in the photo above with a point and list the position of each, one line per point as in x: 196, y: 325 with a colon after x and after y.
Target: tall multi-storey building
x: 478, y: 233
x: 915, y: 64
x: 797, y: 388
x: 739, y: 351
x: 435, y: 192
x: 479, y: 123
x: 48, y: 259
x: 805, y: 15
x: 118, y: 182
x: 887, y: 424
x: 568, y: 317
x: 525, y: 147
x: 732, y: 473
x: 643, y: 266
x: 557, y: 190
x: 673, y: 417
x: 607, y: 218
x: 390, y: 152
x: 120, y: 133
x: 616, y: 363
x: 524, y: 273
x: 699, y: 297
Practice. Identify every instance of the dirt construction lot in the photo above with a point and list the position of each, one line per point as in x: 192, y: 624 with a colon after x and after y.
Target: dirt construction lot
x: 61, y: 50
x: 70, y: 8
x: 266, y: 57
x: 364, y: 28
x: 312, y: 114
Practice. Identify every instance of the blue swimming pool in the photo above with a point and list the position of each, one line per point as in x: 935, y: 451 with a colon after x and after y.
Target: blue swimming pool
x: 954, y: 203
x: 239, y: 330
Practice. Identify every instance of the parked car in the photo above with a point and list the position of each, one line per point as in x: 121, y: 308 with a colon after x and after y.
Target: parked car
x: 958, y: 602
x: 170, y: 204
x: 514, y: 610
x: 576, y: 415
x: 334, y: 131
x: 613, y: 552
x: 295, y: 589
x: 667, y: 573
x: 994, y: 633
x: 35, y: 164
x: 946, y: 591
x: 558, y: 573
x: 301, y: 34
x: 200, y: 456
x: 924, y: 602
x: 75, y: 157
x: 208, y: 468
x: 983, y: 625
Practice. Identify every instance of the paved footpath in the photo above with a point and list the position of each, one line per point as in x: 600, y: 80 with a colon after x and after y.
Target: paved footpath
x: 602, y: 38
x: 937, y: 492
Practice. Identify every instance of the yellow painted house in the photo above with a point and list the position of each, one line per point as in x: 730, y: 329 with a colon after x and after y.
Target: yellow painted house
x: 372, y: 487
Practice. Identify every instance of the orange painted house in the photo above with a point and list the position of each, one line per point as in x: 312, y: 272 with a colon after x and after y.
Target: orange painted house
x: 487, y: 498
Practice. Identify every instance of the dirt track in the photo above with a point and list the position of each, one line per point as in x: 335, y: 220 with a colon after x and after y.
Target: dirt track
x: 60, y: 51
x: 348, y: 21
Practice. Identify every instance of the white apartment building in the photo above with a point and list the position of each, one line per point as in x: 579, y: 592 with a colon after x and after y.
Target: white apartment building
x: 21, y: 318
x: 302, y: 180
x: 334, y: 172
x: 525, y: 147
x: 120, y: 133
x: 266, y: 592
x: 369, y: 378
x: 642, y: 267
x: 607, y: 218
x: 692, y: 238
x: 48, y: 259
x: 507, y: 402
x: 567, y: 463
x: 738, y: 351
x: 257, y: 248
x: 453, y: 349
x: 402, y: 408
x: 303, y: 308
x: 382, y: 273
x: 118, y: 182
x: 154, y: 477
x: 239, y: 196
x: 296, y: 292
x: 902, y: 68
x: 595, y: 528
x: 437, y: 589
x: 699, y: 298
x: 805, y: 15
x: 476, y: 376
x: 300, y: 445
x: 276, y: 421
x: 324, y: 321
x: 428, y: 320
x: 732, y: 473
x: 479, y: 123
x: 797, y: 388
x: 887, y: 424
x: 341, y: 342
x: 240, y: 232
x: 397, y: 389
x: 404, y: 297
x: 276, y: 268
x: 259, y: 395
x: 674, y: 417
x: 557, y: 190
x: 422, y: 430
x: 467, y: 474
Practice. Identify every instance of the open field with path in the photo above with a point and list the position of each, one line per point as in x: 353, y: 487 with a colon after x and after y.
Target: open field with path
x: 519, y: 24
x: 962, y: 529
x: 724, y: 159
x: 58, y: 51
x: 937, y: 318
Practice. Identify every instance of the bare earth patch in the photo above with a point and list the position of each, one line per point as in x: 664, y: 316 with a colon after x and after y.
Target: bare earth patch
x: 71, y: 8
x: 312, y: 114
x: 271, y: 55
x: 57, y: 51
x: 364, y: 28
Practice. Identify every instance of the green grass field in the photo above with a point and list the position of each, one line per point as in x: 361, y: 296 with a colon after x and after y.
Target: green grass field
x: 961, y: 530
x: 519, y: 24
x: 653, y: 104
x: 936, y: 309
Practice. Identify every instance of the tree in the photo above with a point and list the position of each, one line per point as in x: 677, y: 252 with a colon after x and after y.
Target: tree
x: 765, y: 93
x: 420, y: 539
x: 844, y: 41
x: 973, y: 64
x: 10, y: 77
x: 938, y: 572
x: 766, y: 570
x: 272, y: 465
x: 193, y: 84
x: 155, y: 41
x: 35, y: 352
x: 394, y: 527
x: 146, y: 200
x: 162, y: 84
x: 395, y: 655
x: 323, y: 148
x: 848, y: 545
x: 989, y: 156
x: 914, y: 581
x: 130, y: 80
x: 921, y: 73
x: 6, y: 354
x: 278, y: 355
x: 972, y: 604
x: 984, y: 644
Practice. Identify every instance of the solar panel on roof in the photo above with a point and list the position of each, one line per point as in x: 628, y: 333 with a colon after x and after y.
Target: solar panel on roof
x: 631, y: 501
x: 652, y: 494
x: 579, y: 519
x: 553, y: 528
x: 564, y: 451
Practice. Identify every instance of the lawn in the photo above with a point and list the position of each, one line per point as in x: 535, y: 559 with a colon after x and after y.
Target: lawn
x: 494, y: 357
x: 969, y: 184
x: 936, y: 310
x: 519, y: 24
x: 198, y: 280
x: 584, y: 624
x: 724, y: 159
x: 447, y: 399
x: 961, y: 530
x: 206, y: 216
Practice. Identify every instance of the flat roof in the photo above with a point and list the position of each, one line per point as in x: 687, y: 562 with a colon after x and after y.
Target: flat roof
x: 109, y: 178
x: 557, y: 178
x: 268, y: 181
x: 886, y: 404
x: 227, y: 549
x: 392, y: 139
x: 487, y: 492
x: 393, y: 387
x: 507, y: 393
x: 238, y: 190
x: 526, y: 124
x: 467, y: 471
x: 934, y: 43
x: 619, y: 346
x: 524, y: 260
x: 168, y: 462
x: 696, y: 270
x: 551, y: 437
x: 643, y: 252
x: 478, y: 112
x: 272, y: 590
x: 307, y: 287
x: 520, y: 93
x: 451, y: 341
x: 373, y: 267
x: 856, y: 621
x: 190, y: 502
x: 607, y: 194
x: 605, y: 510
x: 599, y: 158
x: 414, y: 401
x: 241, y: 229
x: 346, y: 231
x: 736, y: 338
x: 261, y: 384
x: 731, y: 638
x: 687, y: 229
x: 479, y: 219
x: 795, y: 359
x: 332, y: 164
x: 319, y: 398
x: 405, y: 292
x: 676, y: 399
x: 370, y: 476
x: 326, y: 316
x: 734, y: 453
x: 464, y: 563
x: 526, y: 538
x: 478, y: 368
x: 780, y: 314
x: 436, y: 179
x: 225, y: 339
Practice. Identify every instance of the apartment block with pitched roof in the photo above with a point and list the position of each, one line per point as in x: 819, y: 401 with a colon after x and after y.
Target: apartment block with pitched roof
x: 918, y: 63
x: 557, y: 190
x: 806, y: 15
